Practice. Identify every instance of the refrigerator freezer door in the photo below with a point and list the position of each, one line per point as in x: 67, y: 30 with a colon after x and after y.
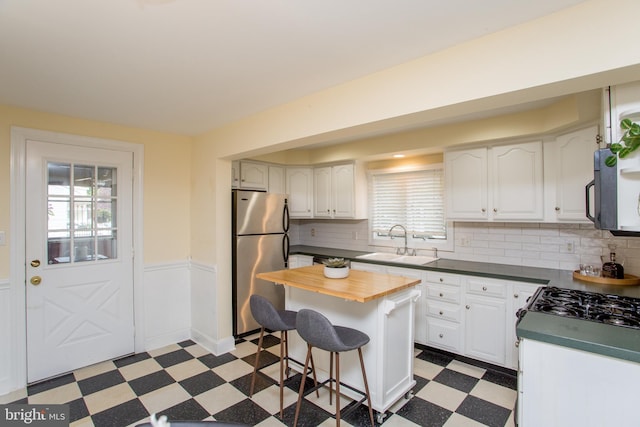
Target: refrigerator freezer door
x: 259, y: 213
x: 256, y: 254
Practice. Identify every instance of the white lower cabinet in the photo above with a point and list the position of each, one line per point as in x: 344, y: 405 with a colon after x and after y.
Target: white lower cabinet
x: 474, y: 316
x: 444, y: 313
x: 296, y: 261
x: 485, y: 325
x: 520, y: 294
x: 485, y: 319
x: 467, y: 315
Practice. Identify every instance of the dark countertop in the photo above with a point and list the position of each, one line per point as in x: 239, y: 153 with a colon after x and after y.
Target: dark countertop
x: 615, y: 341
x: 542, y: 276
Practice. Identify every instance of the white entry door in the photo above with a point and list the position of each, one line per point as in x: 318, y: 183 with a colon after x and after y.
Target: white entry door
x: 79, y: 268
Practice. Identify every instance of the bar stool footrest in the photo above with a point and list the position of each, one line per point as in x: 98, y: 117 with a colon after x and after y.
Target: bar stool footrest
x: 344, y: 411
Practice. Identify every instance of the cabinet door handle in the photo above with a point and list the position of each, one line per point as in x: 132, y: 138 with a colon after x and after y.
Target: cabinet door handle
x: 495, y: 209
x: 557, y: 209
x: 484, y: 288
x: 441, y: 335
x: 328, y: 211
x: 515, y: 295
x: 468, y: 307
x: 483, y: 210
x: 441, y: 294
x: 517, y: 343
x: 441, y: 313
x: 441, y: 279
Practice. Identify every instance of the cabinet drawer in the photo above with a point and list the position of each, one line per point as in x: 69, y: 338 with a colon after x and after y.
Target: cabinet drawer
x: 443, y: 334
x: 443, y: 293
x: 446, y: 279
x: 486, y: 287
x: 443, y: 310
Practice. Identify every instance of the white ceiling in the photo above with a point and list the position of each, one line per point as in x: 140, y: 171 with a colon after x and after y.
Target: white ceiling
x: 188, y: 66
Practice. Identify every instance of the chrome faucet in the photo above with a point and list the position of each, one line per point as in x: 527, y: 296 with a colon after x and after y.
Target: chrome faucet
x: 405, y: 250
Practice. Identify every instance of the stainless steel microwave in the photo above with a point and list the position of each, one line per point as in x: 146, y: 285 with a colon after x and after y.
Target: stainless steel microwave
x: 605, y: 196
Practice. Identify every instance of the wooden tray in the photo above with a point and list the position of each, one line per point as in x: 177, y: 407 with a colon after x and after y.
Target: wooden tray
x: 628, y: 279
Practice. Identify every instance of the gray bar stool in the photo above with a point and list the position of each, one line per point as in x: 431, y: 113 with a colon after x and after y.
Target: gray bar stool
x: 275, y: 320
x: 318, y: 332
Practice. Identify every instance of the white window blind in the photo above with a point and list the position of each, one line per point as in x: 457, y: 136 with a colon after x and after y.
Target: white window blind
x: 413, y: 199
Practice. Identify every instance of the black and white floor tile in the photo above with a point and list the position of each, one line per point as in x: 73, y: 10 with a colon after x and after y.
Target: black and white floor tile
x: 185, y: 382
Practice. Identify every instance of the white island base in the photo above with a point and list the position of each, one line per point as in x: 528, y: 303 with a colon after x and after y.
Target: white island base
x: 388, y: 357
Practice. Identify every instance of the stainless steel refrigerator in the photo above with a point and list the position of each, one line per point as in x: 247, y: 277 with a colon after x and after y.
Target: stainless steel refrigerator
x: 260, y: 223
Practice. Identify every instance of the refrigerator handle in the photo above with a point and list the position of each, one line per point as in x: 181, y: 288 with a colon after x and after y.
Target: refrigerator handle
x: 285, y: 217
x: 285, y: 250
x: 588, y: 200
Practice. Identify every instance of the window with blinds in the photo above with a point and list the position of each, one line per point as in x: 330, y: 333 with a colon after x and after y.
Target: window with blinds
x: 414, y: 199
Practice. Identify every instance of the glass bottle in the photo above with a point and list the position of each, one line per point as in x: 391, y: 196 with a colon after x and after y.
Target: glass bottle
x: 611, y: 268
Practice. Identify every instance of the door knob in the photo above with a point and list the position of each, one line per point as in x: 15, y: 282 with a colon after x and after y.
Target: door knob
x: 36, y: 280
x: 35, y: 263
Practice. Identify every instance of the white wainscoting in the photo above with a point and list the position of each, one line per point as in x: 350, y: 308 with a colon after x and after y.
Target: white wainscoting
x: 167, y: 304
x: 204, y: 317
x: 178, y: 304
x: 6, y: 350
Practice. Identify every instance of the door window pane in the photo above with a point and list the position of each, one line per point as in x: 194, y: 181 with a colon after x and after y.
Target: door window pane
x: 81, y: 211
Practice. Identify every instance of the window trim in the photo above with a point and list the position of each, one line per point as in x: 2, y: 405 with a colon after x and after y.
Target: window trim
x: 418, y: 244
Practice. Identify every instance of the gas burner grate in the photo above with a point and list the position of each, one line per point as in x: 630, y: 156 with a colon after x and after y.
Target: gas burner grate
x: 603, y: 308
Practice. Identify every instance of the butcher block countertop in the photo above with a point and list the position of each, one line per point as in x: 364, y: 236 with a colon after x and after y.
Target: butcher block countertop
x: 360, y: 286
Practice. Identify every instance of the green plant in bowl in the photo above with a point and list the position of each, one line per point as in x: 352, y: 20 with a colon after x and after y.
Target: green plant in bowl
x: 335, y: 263
x: 629, y: 142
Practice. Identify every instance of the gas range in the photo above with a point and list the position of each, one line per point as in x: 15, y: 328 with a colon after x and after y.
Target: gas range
x: 602, y: 308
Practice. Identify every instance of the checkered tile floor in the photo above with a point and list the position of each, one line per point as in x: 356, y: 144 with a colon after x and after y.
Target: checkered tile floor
x: 185, y: 382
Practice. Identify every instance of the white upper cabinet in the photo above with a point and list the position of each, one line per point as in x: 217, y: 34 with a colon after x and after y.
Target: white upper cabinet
x: 335, y: 193
x: 322, y: 192
x: 254, y: 176
x: 499, y: 183
x: 516, y: 180
x: 568, y: 168
x: 235, y: 174
x: 277, y: 180
x: 299, y: 186
x: 466, y: 184
x: 340, y: 191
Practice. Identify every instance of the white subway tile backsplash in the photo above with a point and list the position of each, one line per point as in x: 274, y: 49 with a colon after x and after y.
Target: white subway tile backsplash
x: 526, y: 244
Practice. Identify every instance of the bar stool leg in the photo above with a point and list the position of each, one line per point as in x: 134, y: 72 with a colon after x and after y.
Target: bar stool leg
x: 337, y: 389
x: 255, y: 365
x: 302, y: 381
x: 282, y: 349
x: 366, y: 386
x: 315, y: 379
x: 330, y: 378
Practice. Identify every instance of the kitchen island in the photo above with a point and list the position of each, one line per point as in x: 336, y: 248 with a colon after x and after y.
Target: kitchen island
x: 380, y: 305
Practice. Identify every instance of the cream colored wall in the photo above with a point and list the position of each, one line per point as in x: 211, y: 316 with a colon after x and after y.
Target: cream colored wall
x: 554, y: 55
x: 167, y: 171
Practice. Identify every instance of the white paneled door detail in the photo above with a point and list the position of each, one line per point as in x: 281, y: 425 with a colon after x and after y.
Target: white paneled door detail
x: 79, y: 269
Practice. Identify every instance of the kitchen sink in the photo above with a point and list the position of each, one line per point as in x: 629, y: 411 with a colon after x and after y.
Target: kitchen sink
x: 379, y: 256
x: 401, y: 259
x: 416, y: 259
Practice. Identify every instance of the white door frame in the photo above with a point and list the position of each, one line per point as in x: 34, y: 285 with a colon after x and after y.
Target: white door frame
x: 19, y: 137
